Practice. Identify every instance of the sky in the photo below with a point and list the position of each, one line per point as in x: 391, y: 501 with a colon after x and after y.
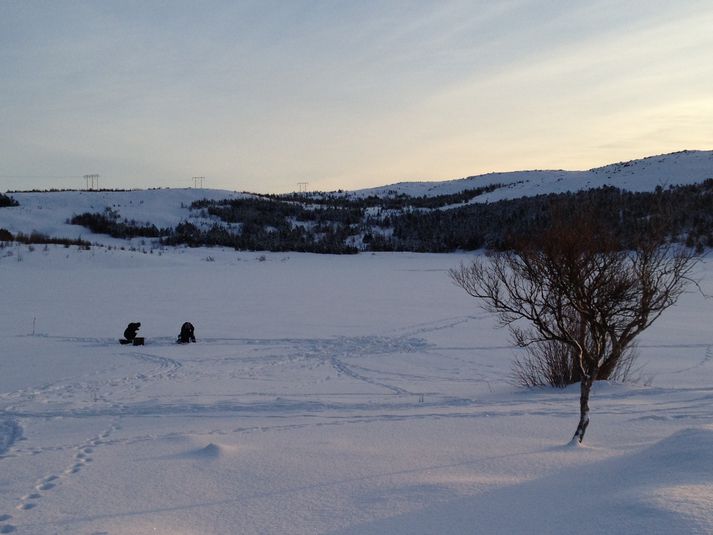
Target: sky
x: 341, y: 94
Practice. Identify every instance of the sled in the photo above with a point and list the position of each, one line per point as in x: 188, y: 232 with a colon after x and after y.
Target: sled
x: 138, y: 341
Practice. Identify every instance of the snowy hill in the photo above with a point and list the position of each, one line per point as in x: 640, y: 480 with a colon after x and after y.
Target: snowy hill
x: 686, y: 167
x: 48, y: 212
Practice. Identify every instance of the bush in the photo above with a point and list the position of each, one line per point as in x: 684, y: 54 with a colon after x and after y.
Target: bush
x: 7, y: 201
x: 109, y: 223
x: 572, y: 286
x: 555, y: 364
x: 38, y: 237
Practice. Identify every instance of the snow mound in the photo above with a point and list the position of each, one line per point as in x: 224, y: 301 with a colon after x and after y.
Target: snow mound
x: 690, y: 448
x: 212, y: 451
x: 664, y: 488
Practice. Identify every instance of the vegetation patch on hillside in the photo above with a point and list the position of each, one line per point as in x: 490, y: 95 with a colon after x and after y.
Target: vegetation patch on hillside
x: 6, y: 201
x: 110, y: 223
x: 338, y: 223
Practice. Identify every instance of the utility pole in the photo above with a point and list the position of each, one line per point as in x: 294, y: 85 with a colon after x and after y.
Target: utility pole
x: 302, y: 187
x: 198, y: 180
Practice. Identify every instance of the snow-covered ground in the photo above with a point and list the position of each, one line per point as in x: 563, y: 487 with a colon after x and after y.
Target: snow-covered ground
x: 678, y: 168
x: 48, y: 212
x: 343, y: 395
x: 326, y: 394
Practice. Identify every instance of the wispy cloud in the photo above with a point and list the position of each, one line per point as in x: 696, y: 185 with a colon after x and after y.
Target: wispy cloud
x: 262, y: 94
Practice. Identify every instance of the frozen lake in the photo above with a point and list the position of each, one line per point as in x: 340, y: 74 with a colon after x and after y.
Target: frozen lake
x: 325, y: 394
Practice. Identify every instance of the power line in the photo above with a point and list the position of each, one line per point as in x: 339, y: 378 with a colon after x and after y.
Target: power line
x: 41, y: 177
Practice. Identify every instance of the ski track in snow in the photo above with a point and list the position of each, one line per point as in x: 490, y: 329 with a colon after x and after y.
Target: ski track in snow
x: 95, y: 398
x: 71, y: 399
x: 98, y: 397
x: 165, y: 367
x: 346, y: 370
x: 68, y: 391
x: 342, y: 354
x: 440, y: 325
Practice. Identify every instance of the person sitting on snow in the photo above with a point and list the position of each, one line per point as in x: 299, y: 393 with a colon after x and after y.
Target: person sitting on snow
x: 187, y: 334
x: 130, y: 333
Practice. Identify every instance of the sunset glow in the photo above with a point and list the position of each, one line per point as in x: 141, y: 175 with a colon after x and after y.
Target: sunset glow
x: 262, y: 95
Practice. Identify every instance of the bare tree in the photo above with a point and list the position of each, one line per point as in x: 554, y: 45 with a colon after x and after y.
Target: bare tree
x: 575, y: 286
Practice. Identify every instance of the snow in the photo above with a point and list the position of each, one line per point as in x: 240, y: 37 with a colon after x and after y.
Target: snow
x: 633, y: 493
x: 326, y: 394
x: 48, y: 212
x: 678, y: 168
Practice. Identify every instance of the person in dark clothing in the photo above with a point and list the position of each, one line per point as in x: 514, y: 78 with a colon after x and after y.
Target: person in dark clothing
x: 130, y: 332
x: 186, y: 335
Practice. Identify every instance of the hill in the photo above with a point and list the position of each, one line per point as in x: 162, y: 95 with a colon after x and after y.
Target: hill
x: 677, y: 168
x: 470, y: 213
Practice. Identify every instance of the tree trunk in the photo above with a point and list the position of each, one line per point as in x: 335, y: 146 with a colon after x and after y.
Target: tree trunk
x: 584, y: 390
x: 608, y: 366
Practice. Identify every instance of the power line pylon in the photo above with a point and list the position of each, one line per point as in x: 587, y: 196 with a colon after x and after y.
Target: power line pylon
x: 92, y: 181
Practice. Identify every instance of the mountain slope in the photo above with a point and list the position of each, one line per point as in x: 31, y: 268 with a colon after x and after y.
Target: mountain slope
x: 686, y: 167
x: 49, y: 212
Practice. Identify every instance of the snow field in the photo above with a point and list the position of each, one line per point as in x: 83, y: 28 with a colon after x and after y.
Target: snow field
x: 359, y: 394
x: 645, y: 174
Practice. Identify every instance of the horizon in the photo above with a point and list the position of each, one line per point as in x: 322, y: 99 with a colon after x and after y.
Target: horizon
x: 261, y: 96
x: 105, y: 187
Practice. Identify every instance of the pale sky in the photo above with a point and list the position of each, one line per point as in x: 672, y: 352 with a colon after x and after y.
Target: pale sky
x: 261, y: 95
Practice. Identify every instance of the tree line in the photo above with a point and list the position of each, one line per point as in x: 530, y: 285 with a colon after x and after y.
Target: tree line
x: 109, y: 222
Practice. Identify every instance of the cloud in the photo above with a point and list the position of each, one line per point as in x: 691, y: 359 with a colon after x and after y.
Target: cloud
x: 347, y: 94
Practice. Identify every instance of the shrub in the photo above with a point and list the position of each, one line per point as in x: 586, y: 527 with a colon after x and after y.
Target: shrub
x: 555, y: 364
x: 38, y: 237
x: 574, y: 287
x: 109, y: 223
x: 7, y: 201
